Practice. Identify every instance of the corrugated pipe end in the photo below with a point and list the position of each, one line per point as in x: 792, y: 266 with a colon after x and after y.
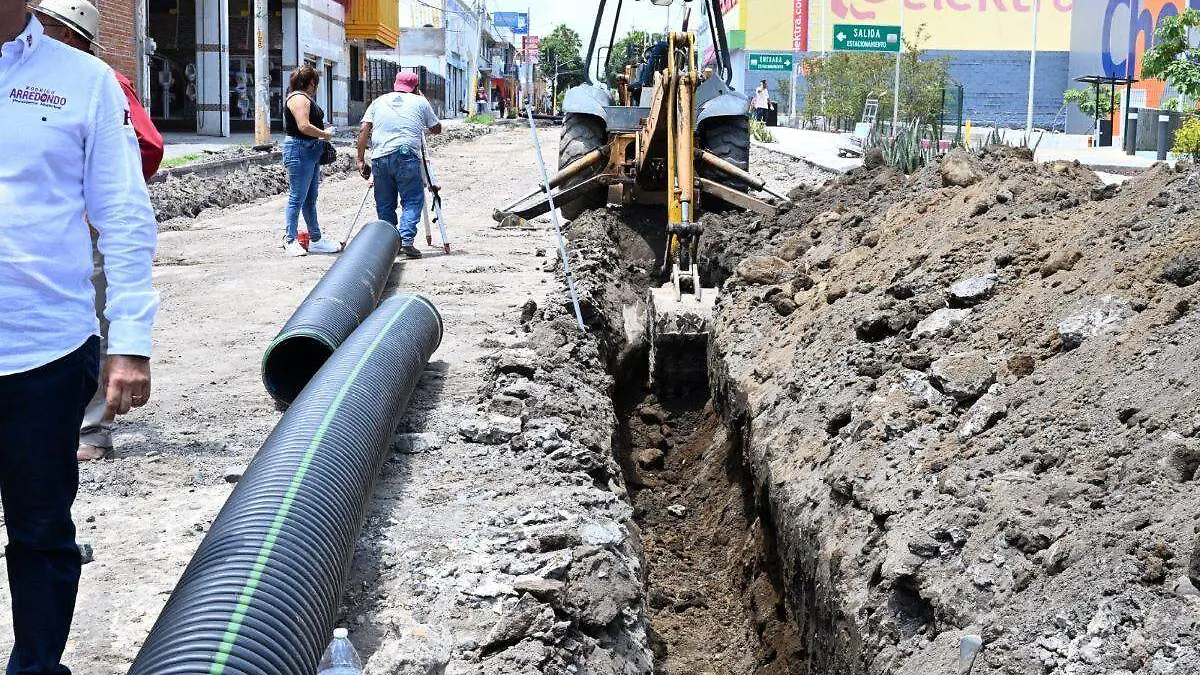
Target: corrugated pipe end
x: 290, y: 363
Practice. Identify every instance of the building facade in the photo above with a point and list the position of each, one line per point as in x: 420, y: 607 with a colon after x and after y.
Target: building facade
x: 446, y: 37
x: 195, y: 59
x: 119, y: 37
x: 987, y: 44
x: 1108, y: 38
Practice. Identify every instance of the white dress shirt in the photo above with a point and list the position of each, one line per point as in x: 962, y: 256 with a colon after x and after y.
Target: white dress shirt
x: 67, y: 148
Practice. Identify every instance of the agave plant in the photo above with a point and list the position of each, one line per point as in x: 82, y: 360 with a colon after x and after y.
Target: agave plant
x: 909, y: 148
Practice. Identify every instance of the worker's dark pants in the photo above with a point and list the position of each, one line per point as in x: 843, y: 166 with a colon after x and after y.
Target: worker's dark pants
x: 40, y: 413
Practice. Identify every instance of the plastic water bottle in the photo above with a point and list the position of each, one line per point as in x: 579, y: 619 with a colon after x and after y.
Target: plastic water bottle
x: 340, y: 657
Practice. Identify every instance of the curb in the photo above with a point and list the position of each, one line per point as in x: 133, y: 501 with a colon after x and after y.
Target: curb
x: 219, y: 167
x: 799, y: 157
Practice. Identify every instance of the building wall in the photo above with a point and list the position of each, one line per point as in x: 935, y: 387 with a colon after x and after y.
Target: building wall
x: 986, y: 41
x: 1108, y: 37
x: 117, y: 36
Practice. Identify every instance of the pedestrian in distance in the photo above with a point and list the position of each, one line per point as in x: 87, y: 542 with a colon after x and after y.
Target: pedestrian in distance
x: 394, y: 128
x: 70, y: 149
x: 77, y: 29
x: 304, y: 123
x: 762, y: 102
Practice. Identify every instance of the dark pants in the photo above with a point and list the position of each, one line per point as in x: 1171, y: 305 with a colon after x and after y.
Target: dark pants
x: 398, y: 177
x: 40, y: 413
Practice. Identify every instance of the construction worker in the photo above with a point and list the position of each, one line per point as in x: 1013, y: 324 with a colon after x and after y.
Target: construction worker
x: 69, y: 149
x: 62, y: 24
x: 394, y: 126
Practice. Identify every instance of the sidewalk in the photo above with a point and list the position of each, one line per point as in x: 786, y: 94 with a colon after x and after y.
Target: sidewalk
x: 820, y: 148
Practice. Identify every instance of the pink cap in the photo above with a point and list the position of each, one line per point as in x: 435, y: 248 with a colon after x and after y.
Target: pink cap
x: 406, y: 82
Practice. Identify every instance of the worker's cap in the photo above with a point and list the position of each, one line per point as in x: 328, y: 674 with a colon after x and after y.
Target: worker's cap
x: 80, y: 16
x: 407, y: 82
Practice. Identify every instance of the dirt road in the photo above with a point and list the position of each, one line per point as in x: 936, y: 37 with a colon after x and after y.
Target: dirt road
x: 226, y: 290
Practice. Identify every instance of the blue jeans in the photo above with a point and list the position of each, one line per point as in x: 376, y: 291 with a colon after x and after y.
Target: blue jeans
x: 302, y: 158
x: 40, y: 413
x: 399, y: 175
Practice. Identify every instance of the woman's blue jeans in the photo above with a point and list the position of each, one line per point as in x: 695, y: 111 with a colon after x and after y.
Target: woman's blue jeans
x: 302, y: 159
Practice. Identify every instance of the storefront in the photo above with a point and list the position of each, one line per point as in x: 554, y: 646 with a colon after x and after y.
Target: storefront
x: 201, y: 70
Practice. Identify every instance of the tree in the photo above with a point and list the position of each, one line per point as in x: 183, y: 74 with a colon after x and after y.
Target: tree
x: 629, y: 50
x: 1086, y: 100
x: 839, y: 85
x: 560, y: 51
x: 1171, y: 58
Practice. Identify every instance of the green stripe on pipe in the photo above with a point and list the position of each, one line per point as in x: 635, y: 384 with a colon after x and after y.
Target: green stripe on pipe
x: 229, y: 639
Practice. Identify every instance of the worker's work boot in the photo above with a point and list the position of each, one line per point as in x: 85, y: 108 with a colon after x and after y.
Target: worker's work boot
x: 411, y: 251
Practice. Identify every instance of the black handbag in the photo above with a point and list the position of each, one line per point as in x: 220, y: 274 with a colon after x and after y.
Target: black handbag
x: 328, y: 153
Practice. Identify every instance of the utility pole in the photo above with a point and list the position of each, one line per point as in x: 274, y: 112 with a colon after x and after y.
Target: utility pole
x: 1032, y: 70
x: 896, y: 93
x: 473, y: 64
x: 262, y: 77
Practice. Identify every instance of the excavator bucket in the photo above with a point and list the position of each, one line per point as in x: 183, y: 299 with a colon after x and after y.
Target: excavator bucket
x: 678, y: 328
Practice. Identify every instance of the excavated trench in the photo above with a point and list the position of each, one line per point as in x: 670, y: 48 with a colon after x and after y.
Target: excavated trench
x: 715, y: 597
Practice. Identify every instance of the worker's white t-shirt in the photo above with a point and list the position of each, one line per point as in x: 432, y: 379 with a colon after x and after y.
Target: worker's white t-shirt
x: 762, y: 98
x: 398, y: 123
x: 68, y: 147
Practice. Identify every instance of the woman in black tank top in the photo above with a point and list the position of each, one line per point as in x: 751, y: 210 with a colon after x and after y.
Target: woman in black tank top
x: 304, y: 122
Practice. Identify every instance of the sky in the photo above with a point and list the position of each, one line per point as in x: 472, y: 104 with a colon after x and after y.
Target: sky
x: 545, y: 15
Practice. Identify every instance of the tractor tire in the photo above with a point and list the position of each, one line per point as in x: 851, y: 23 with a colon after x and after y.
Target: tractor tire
x: 581, y: 135
x: 729, y: 139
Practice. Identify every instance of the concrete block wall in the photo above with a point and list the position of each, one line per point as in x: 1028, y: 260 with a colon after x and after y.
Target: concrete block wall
x: 117, y: 36
x: 995, y: 85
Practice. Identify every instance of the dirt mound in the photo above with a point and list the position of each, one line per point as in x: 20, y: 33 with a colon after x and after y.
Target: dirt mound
x: 188, y: 195
x: 971, y: 411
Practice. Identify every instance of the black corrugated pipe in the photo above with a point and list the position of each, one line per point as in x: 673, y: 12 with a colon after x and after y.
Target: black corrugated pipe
x: 344, y: 297
x: 261, y: 595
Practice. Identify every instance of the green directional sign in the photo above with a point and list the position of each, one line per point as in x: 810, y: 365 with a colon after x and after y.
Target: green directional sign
x: 863, y: 37
x: 781, y: 62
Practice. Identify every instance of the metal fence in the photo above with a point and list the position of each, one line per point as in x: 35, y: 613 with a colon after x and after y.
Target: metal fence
x: 381, y: 78
x: 434, y: 88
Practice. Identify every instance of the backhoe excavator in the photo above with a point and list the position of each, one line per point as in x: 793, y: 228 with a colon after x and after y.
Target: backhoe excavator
x: 668, y: 134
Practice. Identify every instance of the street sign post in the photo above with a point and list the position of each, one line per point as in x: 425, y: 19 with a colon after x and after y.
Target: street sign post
x: 866, y: 38
x: 779, y: 62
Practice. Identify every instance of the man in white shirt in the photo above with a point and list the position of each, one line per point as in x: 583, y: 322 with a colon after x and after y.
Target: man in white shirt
x: 70, y: 149
x: 395, y: 125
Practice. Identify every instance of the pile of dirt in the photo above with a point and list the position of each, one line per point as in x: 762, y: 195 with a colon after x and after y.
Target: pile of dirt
x: 967, y: 400
x: 185, y: 197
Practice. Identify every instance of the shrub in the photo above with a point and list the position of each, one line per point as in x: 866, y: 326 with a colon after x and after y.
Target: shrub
x: 481, y: 119
x: 1187, y: 139
x: 760, y: 132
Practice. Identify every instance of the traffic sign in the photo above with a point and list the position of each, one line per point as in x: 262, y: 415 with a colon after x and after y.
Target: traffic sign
x: 781, y: 62
x: 866, y: 38
x: 517, y: 21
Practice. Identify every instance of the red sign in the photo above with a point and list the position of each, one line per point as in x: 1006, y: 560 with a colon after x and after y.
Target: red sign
x: 529, y: 45
x: 800, y: 25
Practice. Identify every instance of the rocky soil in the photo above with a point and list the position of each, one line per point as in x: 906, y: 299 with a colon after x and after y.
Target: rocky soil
x: 967, y: 400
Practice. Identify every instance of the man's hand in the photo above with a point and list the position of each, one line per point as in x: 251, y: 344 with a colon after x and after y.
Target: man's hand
x: 364, y: 169
x: 126, y: 382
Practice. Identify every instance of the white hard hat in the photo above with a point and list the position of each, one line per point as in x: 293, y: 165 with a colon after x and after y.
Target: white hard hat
x: 80, y: 16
